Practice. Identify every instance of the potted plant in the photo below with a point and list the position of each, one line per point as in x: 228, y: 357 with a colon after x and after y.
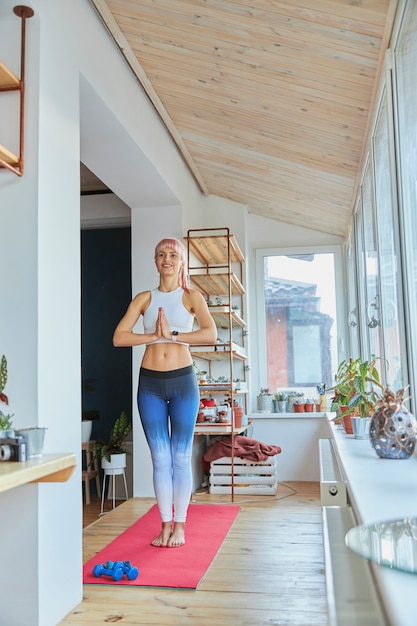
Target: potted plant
x: 356, y: 390
x: 295, y: 397
x: 6, y: 424
x: 201, y: 374
x: 264, y: 401
x: 280, y: 399
x: 309, y: 405
x: 113, y: 453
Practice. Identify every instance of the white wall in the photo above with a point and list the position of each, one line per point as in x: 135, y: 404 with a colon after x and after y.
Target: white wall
x: 298, y: 438
x: 72, y: 64
x: 77, y: 83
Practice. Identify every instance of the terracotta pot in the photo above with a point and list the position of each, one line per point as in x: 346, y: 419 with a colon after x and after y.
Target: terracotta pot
x: 308, y: 408
x: 200, y: 417
x: 318, y: 408
x: 299, y: 408
x: 347, y: 423
x: 238, y: 413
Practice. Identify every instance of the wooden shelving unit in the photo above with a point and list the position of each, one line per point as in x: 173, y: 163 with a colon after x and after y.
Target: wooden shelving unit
x: 215, y: 265
x: 10, y: 82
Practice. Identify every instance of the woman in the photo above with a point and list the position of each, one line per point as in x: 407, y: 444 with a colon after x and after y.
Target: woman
x: 168, y: 397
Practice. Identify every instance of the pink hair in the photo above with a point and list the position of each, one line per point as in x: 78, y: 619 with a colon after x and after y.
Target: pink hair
x: 179, y: 248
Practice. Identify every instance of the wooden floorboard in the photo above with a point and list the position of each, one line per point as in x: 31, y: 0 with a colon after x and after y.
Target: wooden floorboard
x: 268, y: 572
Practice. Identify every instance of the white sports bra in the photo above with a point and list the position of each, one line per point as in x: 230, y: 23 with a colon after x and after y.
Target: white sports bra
x: 177, y: 315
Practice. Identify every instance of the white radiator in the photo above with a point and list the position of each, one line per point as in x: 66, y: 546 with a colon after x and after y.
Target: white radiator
x: 352, y: 599
x: 332, y: 486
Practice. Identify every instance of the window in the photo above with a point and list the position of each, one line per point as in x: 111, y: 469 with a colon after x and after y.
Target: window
x: 406, y: 86
x: 298, y: 318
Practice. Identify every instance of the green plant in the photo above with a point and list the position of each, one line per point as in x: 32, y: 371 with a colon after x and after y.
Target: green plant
x: 115, y: 445
x: 198, y: 372
x: 5, y: 421
x: 295, y: 394
x: 355, y: 383
x: 281, y: 396
x: 3, y: 379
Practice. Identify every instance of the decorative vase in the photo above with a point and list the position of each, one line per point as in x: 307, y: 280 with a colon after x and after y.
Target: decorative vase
x: 393, y: 428
x: 360, y: 427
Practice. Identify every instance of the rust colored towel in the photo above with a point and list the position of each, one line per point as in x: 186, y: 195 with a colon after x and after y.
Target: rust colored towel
x: 244, y: 447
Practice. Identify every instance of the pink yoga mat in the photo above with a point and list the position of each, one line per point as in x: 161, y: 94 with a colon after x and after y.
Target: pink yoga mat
x: 183, y: 567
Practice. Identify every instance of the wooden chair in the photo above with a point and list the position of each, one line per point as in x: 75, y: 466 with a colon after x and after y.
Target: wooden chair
x: 91, y: 470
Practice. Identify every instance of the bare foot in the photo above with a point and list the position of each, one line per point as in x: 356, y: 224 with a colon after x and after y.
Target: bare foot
x: 161, y: 541
x: 177, y: 538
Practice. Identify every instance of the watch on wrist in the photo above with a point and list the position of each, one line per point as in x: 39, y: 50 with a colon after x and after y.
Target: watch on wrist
x: 174, y: 335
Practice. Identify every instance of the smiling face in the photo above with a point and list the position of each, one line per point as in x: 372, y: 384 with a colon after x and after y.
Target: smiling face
x: 168, y: 262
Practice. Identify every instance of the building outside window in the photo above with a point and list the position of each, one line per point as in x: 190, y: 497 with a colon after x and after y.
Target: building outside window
x: 299, y: 319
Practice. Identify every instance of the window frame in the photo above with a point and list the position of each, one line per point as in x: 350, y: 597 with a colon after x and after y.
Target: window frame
x: 259, y: 370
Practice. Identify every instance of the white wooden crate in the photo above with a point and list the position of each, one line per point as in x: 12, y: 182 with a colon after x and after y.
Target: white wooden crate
x: 256, y: 478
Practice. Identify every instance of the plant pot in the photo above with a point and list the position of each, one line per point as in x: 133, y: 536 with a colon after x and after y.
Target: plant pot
x: 299, y: 408
x: 265, y: 403
x: 115, y: 466
x: 86, y: 428
x: 238, y: 415
x: 360, y: 427
x: 291, y: 402
x: 308, y: 408
x: 347, y: 423
x: 34, y: 438
x: 319, y: 409
x: 6, y: 434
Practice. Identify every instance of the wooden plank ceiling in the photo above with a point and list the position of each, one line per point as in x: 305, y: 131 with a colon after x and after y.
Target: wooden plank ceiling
x: 269, y: 101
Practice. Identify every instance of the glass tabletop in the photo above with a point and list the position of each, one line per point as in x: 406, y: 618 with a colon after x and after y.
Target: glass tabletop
x: 392, y: 544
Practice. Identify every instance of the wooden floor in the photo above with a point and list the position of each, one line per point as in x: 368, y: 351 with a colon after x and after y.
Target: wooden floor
x: 269, y: 570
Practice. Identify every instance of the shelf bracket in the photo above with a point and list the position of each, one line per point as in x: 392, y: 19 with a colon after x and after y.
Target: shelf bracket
x: 7, y: 159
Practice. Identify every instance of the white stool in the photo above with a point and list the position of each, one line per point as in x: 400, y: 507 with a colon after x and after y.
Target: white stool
x: 112, y: 473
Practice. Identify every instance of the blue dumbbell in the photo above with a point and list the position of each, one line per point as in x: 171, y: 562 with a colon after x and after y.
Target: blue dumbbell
x: 115, y: 570
x: 130, y: 570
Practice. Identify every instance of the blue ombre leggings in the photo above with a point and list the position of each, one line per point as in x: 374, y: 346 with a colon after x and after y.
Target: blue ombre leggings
x: 168, y: 404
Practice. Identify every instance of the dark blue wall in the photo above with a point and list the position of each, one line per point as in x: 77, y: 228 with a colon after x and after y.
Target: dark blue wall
x: 105, y: 295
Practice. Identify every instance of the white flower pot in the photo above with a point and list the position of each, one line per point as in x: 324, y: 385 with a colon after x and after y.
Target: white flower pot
x: 360, y: 427
x: 115, y: 466
x: 34, y: 438
x: 86, y: 428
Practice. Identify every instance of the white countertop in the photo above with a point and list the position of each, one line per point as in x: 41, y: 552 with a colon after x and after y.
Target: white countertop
x: 382, y: 490
x: 292, y: 415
